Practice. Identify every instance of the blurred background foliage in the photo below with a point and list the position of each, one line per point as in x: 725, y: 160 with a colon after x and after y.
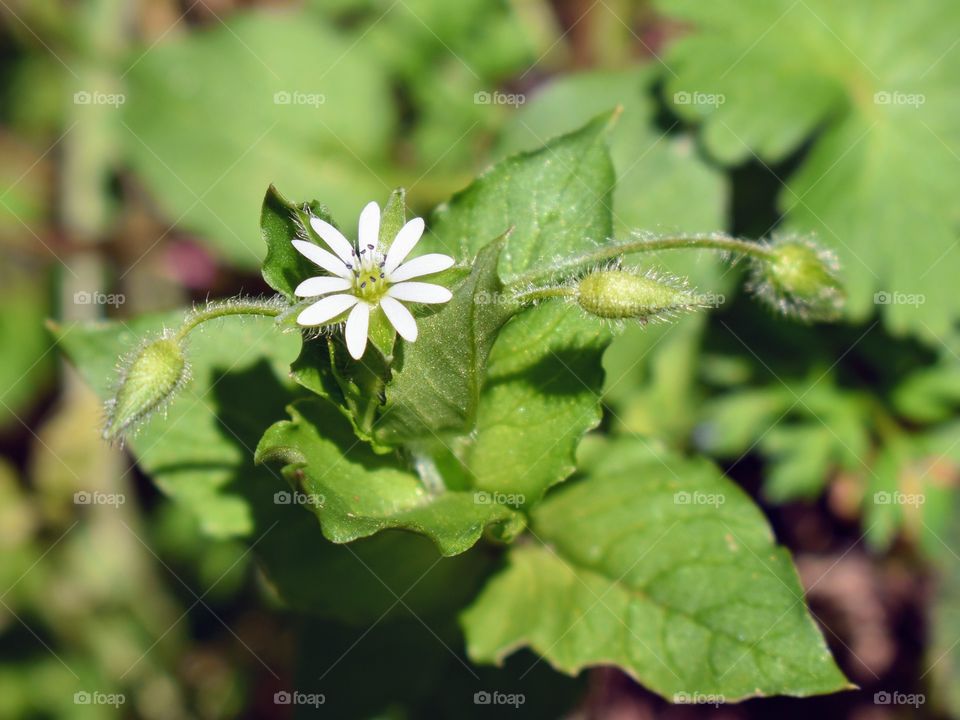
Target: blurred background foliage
x: 137, y: 140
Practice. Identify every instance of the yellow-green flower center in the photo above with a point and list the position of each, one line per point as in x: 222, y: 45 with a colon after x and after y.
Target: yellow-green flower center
x: 369, y: 280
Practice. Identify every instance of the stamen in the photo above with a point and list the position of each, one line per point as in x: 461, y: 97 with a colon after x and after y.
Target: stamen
x: 362, y: 285
x: 370, y: 247
x: 372, y: 279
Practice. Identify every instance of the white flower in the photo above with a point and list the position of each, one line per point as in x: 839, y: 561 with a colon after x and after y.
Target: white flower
x: 366, y: 277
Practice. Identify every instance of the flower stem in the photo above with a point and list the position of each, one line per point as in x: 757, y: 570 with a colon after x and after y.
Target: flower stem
x: 544, y: 293
x: 269, y: 307
x: 713, y: 241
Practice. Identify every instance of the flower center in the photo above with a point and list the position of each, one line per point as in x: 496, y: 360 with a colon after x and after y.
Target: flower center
x: 369, y: 280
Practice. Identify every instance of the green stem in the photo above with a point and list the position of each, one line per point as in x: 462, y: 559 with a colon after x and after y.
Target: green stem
x: 722, y: 243
x: 269, y: 307
x: 544, y: 293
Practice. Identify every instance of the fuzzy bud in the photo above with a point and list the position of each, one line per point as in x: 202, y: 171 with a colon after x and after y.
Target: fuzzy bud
x: 148, y: 379
x: 619, y: 294
x: 800, y: 279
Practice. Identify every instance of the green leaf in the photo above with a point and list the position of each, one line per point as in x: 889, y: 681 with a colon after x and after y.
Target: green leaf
x: 201, y: 454
x: 662, y: 185
x: 556, y: 200
x: 767, y: 77
x: 544, y: 375
x: 542, y: 395
x: 259, y: 79
x: 930, y: 394
x: 282, y: 222
x: 804, y: 429
x: 910, y: 490
x: 664, y: 568
x: 436, y: 381
x: 356, y: 493
x: 196, y: 450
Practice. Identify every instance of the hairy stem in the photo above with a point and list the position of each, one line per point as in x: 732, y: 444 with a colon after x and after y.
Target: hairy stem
x: 544, y: 293
x: 269, y: 307
x: 722, y: 243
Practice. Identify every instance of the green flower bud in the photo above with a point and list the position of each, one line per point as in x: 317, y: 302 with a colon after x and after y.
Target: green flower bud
x: 620, y: 294
x: 149, y: 378
x: 800, y: 279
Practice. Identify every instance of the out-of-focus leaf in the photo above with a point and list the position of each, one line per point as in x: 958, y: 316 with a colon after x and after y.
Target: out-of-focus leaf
x: 765, y: 77
x: 279, y: 117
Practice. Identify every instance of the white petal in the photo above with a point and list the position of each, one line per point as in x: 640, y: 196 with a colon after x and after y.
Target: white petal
x: 326, y: 309
x: 369, y: 229
x: 321, y: 285
x: 420, y: 292
x: 400, y: 318
x: 423, y: 265
x: 328, y: 261
x: 356, y: 331
x: 406, y: 240
x: 334, y: 238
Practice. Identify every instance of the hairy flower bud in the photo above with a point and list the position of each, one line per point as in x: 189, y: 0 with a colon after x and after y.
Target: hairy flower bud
x: 621, y: 294
x: 800, y: 279
x: 148, y: 378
